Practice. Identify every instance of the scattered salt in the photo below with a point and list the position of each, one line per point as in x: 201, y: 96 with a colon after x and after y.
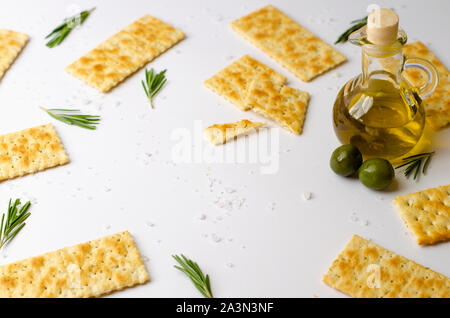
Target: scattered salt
x: 307, y: 196
x: 216, y: 238
x: 230, y: 190
x: 273, y: 206
x: 354, y: 218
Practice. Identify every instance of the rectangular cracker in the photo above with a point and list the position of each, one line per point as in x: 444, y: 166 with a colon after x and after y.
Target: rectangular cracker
x: 90, y: 269
x: 366, y: 270
x: 219, y: 134
x: 426, y: 214
x: 232, y: 82
x: 30, y: 150
x: 290, y: 44
x: 11, y: 44
x: 125, y: 52
x: 437, y: 105
x: 283, y: 104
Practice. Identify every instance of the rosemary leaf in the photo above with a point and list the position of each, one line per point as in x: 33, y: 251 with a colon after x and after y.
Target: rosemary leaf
x: 14, y: 222
x: 72, y: 117
x: 425, y: 165
x: 195, y: 274
x: 414, y: 164
x: 424, y: 154
x: 59, y: 33
x: 357, y: 24
x: 153, y: 83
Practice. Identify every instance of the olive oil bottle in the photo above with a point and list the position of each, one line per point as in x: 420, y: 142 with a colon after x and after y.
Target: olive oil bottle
x: 378, y: 111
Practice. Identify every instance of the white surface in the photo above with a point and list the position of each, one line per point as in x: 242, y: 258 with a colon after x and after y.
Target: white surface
x: 279, y: 244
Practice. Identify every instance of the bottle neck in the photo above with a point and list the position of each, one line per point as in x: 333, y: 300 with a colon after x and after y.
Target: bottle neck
x: 381, y: 64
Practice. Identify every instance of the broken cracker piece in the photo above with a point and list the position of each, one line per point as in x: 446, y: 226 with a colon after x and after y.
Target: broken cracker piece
x: 366, y: 270
x: 11, y: 44
x: 290, y: 44
x: 283, y: 104
x: 232, y: 82
x: 219, y: 134
x: 426, y: 214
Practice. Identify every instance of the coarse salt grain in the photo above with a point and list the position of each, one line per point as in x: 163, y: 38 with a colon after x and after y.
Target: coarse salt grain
x: 307, y: 196
x: 216, y: 238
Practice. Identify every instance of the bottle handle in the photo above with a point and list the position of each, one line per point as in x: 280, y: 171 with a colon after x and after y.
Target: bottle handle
x: 433, y: 76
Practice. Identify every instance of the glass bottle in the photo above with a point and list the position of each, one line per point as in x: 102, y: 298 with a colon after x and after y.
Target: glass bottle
x: 379, y: 111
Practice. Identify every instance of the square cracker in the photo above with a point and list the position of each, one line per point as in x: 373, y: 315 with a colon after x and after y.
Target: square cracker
x: 366, y: 270
x: 426, y: 214
x: 437, y: 105
x: 294, y: 47
x: 283, y: 104
x: 29, y: 151
x: 125, y: 52
x: 232, y: 82
x: 221, y: 133
x: 91, y: 269
x: 11, y: 44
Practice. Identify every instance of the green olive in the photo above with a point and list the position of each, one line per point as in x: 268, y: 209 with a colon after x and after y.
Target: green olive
x: 345, y: 160
x: 376, y: 173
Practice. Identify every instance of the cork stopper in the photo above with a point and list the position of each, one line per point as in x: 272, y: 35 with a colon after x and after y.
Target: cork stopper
x: 382, y: 26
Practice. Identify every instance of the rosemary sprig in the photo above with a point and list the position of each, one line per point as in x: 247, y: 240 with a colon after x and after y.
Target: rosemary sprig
x: 62, y: 31
x: 15, y: 221
x: 357, y: 24
x: 71, y: 117
x: 193, y: 271
x: 414, y: 164
x: 153, y: 83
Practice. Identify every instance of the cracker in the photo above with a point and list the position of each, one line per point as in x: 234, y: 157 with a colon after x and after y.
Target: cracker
x: 366, y: 270
x: 283, y: 104
x: 29, y: 151
x: 221, y: 133
x: 290, y: 44
x: 11, y: 44
x: 90, y: 269
x: 232, y: 82
x: 426, y: 214
x: 437, y: 105
x: 125, y: 52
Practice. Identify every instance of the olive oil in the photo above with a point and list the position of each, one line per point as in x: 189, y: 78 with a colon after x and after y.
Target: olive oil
x: 378, y: 111
x: 382, y: 120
